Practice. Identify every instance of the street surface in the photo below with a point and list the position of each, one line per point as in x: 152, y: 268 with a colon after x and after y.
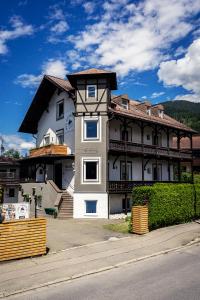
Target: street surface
x: 174, y: 276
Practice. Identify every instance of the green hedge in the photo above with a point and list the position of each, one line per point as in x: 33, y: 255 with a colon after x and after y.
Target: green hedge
x: 197, y: 190
x: 168, y: 203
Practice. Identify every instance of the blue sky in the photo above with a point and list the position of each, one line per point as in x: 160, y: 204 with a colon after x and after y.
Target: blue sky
x: 153, y: 45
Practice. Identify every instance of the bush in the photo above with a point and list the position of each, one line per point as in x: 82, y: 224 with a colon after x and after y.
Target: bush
x: 186, y: 177
x: 197, y: 190
x: 196, y: 178
x: 168, y: 203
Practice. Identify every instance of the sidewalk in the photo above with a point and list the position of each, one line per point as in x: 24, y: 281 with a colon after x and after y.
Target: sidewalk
x: 21, y: 275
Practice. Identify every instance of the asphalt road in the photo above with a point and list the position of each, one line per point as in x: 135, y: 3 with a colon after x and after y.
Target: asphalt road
x: 171, y: 276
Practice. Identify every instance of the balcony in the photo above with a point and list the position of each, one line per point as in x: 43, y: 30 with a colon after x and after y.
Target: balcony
x: 49, y: 150
x: 129, y: 147
x: 124, y: 186
x: 8, y: 177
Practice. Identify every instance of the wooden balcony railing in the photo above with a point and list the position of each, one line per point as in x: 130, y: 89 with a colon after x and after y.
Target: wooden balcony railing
x: 124, y: 186
x: 6, y: 177
x: 130, y: 147
x: 49, y: 150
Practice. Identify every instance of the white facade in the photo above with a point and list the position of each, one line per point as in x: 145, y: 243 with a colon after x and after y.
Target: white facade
x: 49, y: 124
x: 101, y: 205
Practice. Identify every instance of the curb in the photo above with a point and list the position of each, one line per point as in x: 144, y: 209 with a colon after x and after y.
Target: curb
x: 100, y: 270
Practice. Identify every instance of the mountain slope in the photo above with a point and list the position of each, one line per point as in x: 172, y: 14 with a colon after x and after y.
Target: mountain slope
x: 185, y: 112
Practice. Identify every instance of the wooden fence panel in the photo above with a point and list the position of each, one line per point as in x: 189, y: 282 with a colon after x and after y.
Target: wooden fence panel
x: 22, y: 238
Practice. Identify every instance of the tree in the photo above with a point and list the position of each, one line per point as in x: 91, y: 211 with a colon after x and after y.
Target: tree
x: 12, y: 153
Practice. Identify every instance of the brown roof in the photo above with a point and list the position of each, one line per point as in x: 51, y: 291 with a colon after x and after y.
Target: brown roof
x: 136, y: 112
x: 92, y: 71
x: 41, y: 100
x: 185, y: 142
x: 8, y: 161
x: 62, y: 83
x: 96, y: 73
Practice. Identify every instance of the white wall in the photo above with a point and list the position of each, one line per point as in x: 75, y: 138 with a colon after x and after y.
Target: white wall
x: 49, y: 125
x: 114, y: 174
x: 80, y: 207
x: 115, y: 133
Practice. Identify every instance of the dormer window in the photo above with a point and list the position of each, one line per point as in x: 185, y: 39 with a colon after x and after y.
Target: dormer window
x: 161, y: 113
x: 124, y: 103
x: 149, y: 111
x: 91, y: 91
x: 47, y: 139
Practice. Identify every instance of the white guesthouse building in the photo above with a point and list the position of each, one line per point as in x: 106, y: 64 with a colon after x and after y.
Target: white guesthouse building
x: 92, y: 147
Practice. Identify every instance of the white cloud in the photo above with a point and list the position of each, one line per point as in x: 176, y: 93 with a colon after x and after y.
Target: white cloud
x: 18, y: 29
x: 89, y: 7
x: 57, y: 24
x: 184, y: 72
x: 60, y: 27
x: 157, y: 94
x: 135, y: 37
x: 16, y: 142
x: 54, y: 67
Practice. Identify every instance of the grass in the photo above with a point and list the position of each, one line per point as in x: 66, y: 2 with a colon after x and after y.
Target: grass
x: 122, y: 227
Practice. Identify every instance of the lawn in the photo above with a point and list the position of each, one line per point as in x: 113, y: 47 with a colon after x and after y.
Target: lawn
x: 122, y: 227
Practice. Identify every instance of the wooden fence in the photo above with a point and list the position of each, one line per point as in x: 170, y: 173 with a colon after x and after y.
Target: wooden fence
x: 22, y: 238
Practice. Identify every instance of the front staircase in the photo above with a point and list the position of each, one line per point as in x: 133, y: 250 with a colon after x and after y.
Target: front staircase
x: 65, y: 210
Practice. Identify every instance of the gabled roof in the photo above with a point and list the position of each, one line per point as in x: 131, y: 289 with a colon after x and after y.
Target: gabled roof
x: 95, y: 73
x: 92, y: 71
x: 137, y: 112
x: 41, y: 100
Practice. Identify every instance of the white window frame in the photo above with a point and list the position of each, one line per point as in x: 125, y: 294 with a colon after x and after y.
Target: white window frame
x: 84, y: 131
x: 60, y: 132
x: 47, y: 136
x: 83, y: 170
x: 57, y: 109
x: 125, y: 104
x: 91, y: 85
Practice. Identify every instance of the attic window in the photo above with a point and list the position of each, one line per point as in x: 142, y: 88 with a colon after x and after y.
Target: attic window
x: 149, y: 111
x: 124, y: 103
x: 91, y: 91
x: 161, y: 113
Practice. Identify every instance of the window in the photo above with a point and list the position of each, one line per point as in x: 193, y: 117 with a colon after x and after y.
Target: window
x: 11, y: 193
x: 124, y: 103
x: 47, y: 139
x: 91, y: 129
x: 60, y: 110
x: 149, y: 111
x: 91, y: 170
x: 91, y: 206
x: 60, y: 136
x: 148, y: 137
x: 126, y: 170
x: 91, y: 91
x: 161, y: 113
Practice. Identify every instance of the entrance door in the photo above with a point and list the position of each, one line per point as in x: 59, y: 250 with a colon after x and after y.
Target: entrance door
x: 58, y: 175
x: 126, y: 173
x: 157, y: 172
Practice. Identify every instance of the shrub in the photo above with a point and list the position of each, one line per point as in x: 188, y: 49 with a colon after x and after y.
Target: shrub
x: 197, y: 191
x: 168, y: 203
x: 186, y: 177
x: 196, y: 178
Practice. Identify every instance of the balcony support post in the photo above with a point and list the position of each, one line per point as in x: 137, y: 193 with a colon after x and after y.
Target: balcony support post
x: 142, y: 167
x: 126, y: 204
x: 169, y: 175
x: 179, y: 170
x: 178, y: 141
